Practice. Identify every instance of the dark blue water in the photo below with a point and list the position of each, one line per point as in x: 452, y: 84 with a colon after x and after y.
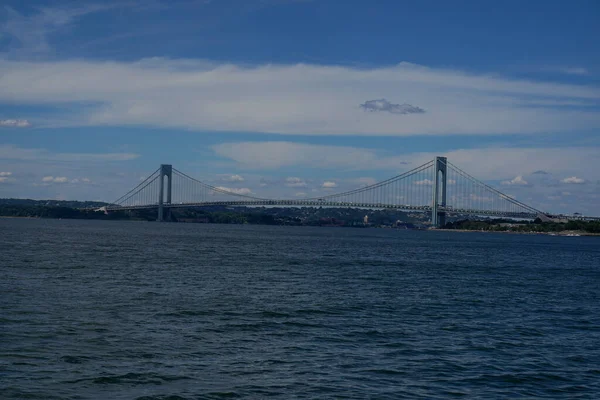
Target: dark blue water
x: 130, y: 310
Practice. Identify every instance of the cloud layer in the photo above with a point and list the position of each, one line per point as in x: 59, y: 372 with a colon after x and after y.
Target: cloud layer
x: 495, y: 163
x: 295, y: 99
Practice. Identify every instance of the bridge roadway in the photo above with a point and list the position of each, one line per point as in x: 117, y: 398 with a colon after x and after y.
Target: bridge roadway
x: 316, y: 203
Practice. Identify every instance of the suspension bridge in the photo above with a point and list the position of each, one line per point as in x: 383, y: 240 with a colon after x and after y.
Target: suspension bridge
x: 437, y: 187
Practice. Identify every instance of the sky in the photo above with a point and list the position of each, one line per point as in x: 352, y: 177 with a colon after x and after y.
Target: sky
x: 286, y: 98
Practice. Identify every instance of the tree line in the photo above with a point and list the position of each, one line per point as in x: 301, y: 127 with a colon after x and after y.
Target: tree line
x: 537, y: 226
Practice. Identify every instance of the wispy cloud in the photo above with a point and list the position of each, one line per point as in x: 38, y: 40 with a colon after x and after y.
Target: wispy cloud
x: 329, y: 185
x: 29, y: 34
x: 10, y: 152
x: 567, y: 70
x: 14, y: 123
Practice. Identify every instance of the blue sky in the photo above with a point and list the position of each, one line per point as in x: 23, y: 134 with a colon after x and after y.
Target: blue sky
x: 96, y: 95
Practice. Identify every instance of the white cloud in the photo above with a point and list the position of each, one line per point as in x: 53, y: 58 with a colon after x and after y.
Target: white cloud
x: 300, y: 194
x: 518, y: 180
x: 14, y: 123
x: 568, y: 70
x: 293, y: 99
x: 55, y: 179
x: 424, y: 182
x: 573, y: 179
x: 244, y: 191
x: 293, y: 181
x: 232, y: 178
x: 329, y: 185
x: 5, y: 173
x: 3, y: 179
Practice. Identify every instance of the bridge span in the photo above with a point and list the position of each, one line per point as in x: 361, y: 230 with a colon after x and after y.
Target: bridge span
x: 437, y: 187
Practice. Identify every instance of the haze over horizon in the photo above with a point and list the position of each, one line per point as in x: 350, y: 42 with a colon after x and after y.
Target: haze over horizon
x: 297, y: 98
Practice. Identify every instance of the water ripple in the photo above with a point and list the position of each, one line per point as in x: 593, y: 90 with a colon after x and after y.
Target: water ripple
x: 113, y: 310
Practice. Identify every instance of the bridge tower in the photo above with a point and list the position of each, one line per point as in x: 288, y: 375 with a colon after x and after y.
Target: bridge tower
x: 438, y: 218
x: 165, y: 170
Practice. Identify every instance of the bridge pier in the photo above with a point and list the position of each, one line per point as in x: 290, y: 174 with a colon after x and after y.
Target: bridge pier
x: 438, y: 218
x: 165, y: 170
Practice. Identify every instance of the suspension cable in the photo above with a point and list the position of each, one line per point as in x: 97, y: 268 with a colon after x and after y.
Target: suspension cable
x: 137, y: 187
x: 376, y: 185
x: 495, y: 191
x: 216, y: 189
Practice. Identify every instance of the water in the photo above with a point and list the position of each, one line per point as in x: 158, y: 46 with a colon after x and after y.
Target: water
x: 131, y: 310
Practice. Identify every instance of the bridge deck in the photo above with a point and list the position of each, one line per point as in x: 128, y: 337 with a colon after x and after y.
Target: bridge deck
x: 300, y: 203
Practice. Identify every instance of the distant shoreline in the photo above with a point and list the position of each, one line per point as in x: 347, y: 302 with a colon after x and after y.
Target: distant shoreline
x: 563, y: 233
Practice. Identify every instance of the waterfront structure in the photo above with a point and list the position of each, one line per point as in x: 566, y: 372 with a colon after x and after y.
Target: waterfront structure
x: 437, y: 187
